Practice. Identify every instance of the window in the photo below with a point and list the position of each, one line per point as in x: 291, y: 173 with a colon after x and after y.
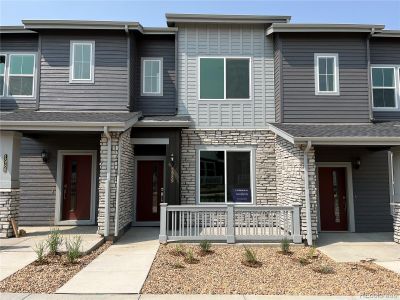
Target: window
x: 225, y: 176
x: 326, y: 74
x: 152, y: 77
x: 384, y: 87
x: 224, y: 78
x: 17, y: 74
x: 82, y: 62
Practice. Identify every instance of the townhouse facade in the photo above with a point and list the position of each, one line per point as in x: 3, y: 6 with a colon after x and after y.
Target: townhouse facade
x: 103, y: 121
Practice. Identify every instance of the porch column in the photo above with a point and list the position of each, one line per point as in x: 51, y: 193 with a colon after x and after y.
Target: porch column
x: 10, y: 142
x: 396, y: 222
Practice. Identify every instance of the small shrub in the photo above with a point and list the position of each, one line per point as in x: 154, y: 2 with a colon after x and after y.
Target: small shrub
x: 73, y: 247
x: 325, y: 269
x: 312, y: 252
x: 190, y: 259
x: 54, y: 240
x: 250, y: 258
x: 39, y: 249
x: 205, y: 246
x: 178, y: 266
x: 179, y: 250
x: 285, y: 246
x: 303, y: 261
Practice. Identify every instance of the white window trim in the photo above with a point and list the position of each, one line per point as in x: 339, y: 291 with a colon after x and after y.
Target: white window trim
x: 225, y: 58
x: 396, y: 88
x: 7, y: 75
x: 336, y: 91
x: 71, y: 61
x: 224, y: 148
x: 160, y: 80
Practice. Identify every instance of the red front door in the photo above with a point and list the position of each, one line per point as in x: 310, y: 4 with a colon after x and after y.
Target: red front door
x: 332, y: 198
x: 150, y: 180
x: 77, y: 187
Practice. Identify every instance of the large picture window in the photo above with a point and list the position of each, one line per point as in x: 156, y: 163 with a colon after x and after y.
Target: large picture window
x: 326, y: 74
x: 225, y: 176
x: 224, y: 78
x: 17, y: 74
x: 384, y: 87
x: 82, y: 62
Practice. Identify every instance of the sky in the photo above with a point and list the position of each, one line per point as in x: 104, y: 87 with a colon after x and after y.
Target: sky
x: 152, y: 12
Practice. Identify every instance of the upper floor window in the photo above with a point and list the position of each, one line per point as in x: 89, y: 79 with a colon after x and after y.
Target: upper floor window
x: 224, y: 78
x: 326, y: 74
x: 152, y: 76
x: 82, y: 62
x: 17, y: 74
x: 384, y: 95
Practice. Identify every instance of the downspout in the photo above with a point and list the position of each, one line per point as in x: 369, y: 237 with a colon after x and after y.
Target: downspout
x: 371, y: 115
x: 307, y: 194
x: 116, y: 221
x: 107, y: 187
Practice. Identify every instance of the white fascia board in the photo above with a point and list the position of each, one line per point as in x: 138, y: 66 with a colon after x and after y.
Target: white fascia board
x: 163, y: 124
x: 281, y: 133
x: 350, y: 141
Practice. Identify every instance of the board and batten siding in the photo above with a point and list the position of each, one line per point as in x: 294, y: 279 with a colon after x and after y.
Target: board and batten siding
x: 370, y: 185
x: 38, y: 179
x: 385, y: 51
x: 299, y: 102
x: 110, y: 88
x: 155, y: 46
x: 226, y: 40
x: 18, y: 43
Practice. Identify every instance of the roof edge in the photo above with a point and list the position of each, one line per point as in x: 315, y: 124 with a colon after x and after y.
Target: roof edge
x: 81, y: 24
x: 276, y: 28
x: 14, y: 29
x: 388, y: 33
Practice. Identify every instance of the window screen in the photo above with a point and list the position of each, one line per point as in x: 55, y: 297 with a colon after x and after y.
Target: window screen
x: 211, y: 78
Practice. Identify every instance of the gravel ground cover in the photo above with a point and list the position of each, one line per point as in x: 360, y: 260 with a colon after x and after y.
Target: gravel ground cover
x: 297, y: 273
x: 49, y: 276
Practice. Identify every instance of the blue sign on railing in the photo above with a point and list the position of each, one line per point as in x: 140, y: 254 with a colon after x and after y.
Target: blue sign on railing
x: 241, y: 195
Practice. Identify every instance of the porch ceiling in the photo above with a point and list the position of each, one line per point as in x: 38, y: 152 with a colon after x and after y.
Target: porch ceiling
x: 387, y: 134
x: 29, y: 120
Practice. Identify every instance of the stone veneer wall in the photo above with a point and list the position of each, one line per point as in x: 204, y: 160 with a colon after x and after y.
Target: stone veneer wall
x: 126, y: 180
x: 9, y: 205
x: 290, y: 180
x: 396, y: 222
x: 262, y: 140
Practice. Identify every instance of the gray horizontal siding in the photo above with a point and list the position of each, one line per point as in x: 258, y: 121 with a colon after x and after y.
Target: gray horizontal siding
x: 110, y: 88
x: 38, y: 180
x: 277, y: 78
x: 18, y: 43
x: 385, y: 51
x: 300, y: 104
x: 370, y: 185
x: 226, y: 40
x: 156, y: 46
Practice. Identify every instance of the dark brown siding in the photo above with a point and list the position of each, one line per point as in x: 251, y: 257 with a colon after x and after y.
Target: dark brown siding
x: 38, y: 179
x: 300, y: 104
x: 370, y: 185
x: 156, y: 46
x: 18, y: 43
x: 385, y: 51
x: 110, y: 88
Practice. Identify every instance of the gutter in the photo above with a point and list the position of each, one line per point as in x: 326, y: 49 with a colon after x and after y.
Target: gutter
x: 107, y: 187
x: 307, y: 194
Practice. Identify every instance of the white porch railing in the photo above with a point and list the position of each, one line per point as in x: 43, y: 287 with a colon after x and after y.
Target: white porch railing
x: 230, y: 223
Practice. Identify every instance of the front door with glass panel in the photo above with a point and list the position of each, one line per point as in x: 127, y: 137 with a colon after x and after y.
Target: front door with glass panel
x: 150, y: 181
x: 332, y: 198
x: 76, y: 187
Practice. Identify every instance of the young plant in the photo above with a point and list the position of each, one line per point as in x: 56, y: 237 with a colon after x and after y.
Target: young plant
x: 205, y: 246
x: 303, y: 261
x: 39, y: 249
x: 312, y: 252
x: 73, y: 247
x: 190, y: 257
x: 54, y: 240
x: 179, y: 250
x: 325, y: 269
x: 285, y: 246
x: 250, y: 256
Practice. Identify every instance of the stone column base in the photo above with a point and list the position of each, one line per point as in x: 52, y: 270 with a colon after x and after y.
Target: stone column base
x: 9, y: 204
x: 396, y: 222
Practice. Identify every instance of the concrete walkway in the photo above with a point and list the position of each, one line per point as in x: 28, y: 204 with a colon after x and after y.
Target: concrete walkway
x: 121, y: 269
x: 353, y: 247
x: 180, y: 297
x: 16, y: 253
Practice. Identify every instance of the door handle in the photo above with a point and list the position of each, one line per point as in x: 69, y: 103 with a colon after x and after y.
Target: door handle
x: 162, y: 195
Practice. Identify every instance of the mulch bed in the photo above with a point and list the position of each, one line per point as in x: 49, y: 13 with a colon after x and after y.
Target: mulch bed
x: 297, y: 274
x: 49, y: 276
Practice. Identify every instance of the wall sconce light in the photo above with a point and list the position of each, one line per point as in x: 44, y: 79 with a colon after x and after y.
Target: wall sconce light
x: 171, y: 159
x: 45, y: 156
x: 357, y: 163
